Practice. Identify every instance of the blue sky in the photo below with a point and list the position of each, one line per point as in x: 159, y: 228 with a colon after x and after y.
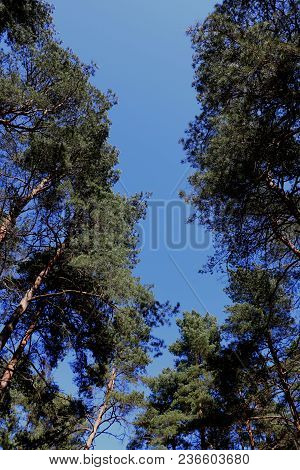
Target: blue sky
x: 144, y: 56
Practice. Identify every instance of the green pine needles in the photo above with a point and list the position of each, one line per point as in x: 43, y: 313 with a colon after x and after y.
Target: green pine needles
x: 69, y: 246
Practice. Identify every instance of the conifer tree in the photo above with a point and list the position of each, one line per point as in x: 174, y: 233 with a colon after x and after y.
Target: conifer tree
x: 234, y: 386
x: 244, y: 144
x: 37, y: 415
x: 23, y: 21
x: 182, y: 411
x: 262, y: 327
x: 68, y: 241
x: 121, y: 393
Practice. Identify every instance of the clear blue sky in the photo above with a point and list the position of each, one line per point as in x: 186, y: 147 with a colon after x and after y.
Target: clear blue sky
x: 144, y: 56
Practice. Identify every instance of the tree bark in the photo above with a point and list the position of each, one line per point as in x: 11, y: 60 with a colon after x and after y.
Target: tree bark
x: 10, y: 219
x: 284, y: 239
x: 250, y: 434
x: 102, y: 410
x: 286, y: 198
x: 11, y: 324
x: 284, y: 384
x: 10, y: 368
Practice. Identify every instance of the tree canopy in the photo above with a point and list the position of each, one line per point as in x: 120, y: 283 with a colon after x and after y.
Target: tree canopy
x: 244, y: 144
x: 69, y: 246
x: 236, y: 386
x: 68, y: 242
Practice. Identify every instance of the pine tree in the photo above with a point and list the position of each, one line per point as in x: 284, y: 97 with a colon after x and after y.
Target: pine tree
x: 243, y: 144
x: 37, y: 415
x: 23, y: 21
x: 234, y: 386
x: 68, y: 241
x: 264, y: 335
x: 121, y: 393
x: 182, y: 410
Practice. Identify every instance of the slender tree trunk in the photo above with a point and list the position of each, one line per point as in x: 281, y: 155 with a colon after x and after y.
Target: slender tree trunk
x: 250, y: 434
x: 10, y: 368
x: 102, y: 410
x: 284, y: 383
x: 12, y: 322
x: 9, y: 220
x: 284, y: 239
x: 290, y: 203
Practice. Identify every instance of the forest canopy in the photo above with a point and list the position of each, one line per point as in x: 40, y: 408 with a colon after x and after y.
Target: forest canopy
x: 69, y: 246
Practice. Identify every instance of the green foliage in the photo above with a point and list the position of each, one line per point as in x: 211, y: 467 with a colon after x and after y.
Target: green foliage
x: 23, y: 21
x: 67, y: 238
x: 244, y: 150
x: 36, y: 415
x: 181, y: 411
x: 243, y: 145
x: 234, y: 386
x: 264, y: 334
x: 130, y: 340
x: 69, y: 245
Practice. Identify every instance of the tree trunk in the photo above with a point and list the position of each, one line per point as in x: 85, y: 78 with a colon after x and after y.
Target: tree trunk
x: 283, y: 238
x: 289, y: 201
x: 250, y: 434
x: 102, y: 410
x: 9, y: 371
x: 10, y: 219
x: 23, y: 305
x: 284, y: 383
